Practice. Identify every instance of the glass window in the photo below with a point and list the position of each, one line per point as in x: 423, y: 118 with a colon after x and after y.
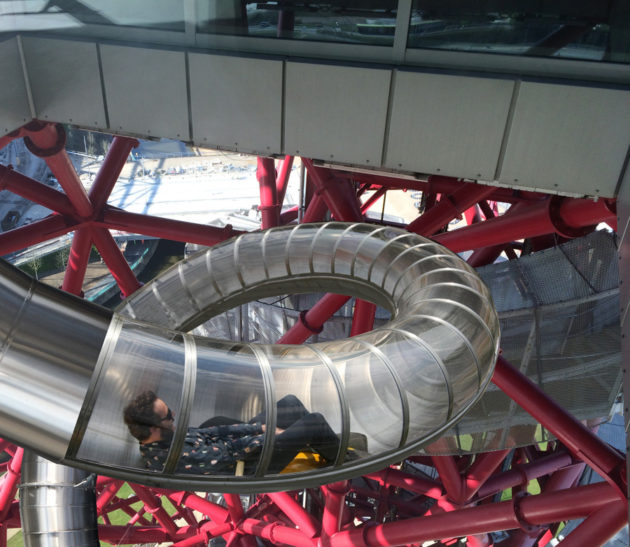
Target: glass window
x: 348, y: 21
x: 594, y: 31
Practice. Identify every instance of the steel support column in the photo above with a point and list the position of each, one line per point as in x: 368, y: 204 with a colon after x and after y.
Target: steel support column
x: 269, y: 206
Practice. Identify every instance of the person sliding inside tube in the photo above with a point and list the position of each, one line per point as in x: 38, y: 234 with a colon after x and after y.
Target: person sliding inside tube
x: 218, y: 444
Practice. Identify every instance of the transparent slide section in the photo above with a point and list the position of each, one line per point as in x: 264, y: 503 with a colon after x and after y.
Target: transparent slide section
x: 154, y: 403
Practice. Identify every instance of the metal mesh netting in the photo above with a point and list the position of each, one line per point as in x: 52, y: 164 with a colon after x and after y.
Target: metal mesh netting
x: 559, y: 314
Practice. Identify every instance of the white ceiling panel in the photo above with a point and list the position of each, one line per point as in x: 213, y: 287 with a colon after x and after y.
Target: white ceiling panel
x: 236, y: 103
x: 336, y: 113
x: 568, y: 139
x: 448, y: 125
x: 14, y: 109
x: 146, y: 91
x: 65, y: 81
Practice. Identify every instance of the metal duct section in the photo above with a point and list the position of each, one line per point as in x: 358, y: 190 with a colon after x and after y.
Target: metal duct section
x: 57, y: 505
x: 401, y: 385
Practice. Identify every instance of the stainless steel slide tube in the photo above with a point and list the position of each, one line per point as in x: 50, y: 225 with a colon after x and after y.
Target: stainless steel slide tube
x: 399, y: 386
x: 57, y: 505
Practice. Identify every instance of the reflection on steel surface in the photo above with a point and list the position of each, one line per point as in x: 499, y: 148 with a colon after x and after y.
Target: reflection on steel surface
x: 399, y: 386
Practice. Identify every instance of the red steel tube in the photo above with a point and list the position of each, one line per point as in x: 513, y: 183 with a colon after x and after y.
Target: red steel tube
x: 599, y: 527
x: 42, y: 230
x: 115, y: 261
x: 292, y: 509
x: 311, y: 322
x: 154, y: 508
x: 107, y: 494
x: 373, y: 199
x: 110, y: 171
x: 277, y: 533
x: 10, y: 483
x: 607, y: 461
x: 206, y: 531
x: 282, y: 182
x: 338, y: 194
x: 269, y: 205
x: 132, y: 534
x: 450, y: 476
x: 363, y: 317
x: 191, y: 500
x: 135, y: 223
x: 552, y: 215
x: 333, y: 508
x: 77, y: 261
x: 46, y: 140
x: 522, y: 474
x: 481, y: 469
x: 35, y: 191
x: 449, y: 207
x: 417, y: 485
x: 533, y: 510
x: 316, y: 210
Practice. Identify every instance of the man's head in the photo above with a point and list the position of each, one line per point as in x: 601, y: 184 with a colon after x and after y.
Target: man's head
x: 147, y: 417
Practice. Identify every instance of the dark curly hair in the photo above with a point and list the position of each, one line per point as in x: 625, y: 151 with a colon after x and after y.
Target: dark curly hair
x: 140, y: 416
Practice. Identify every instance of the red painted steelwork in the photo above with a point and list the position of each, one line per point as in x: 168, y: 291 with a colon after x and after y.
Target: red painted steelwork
x: 42, y: 230
x: 363, y: 317
x: 10, y: 483
x: 277, y: 533
x: 115, y: 261
x: 449, y: 207
x: 521, y: 474
x: 373, y: 199
x: 35, y: 191
x: 77, y: 261
x: 337, y: 193
x: 117, y: 219
x: 109, y: 171
x: 296, y: 513
x: 282, y: 181
x: 599, y: 527
x: 311, y: 322
x: 526, y: 221
x: 482, y: 468
x: 269, y: 204
x: 582, y: 443
x: 46, y: 138
x: 333, y: 509
x: 316, y: 210
x: 507, y: 515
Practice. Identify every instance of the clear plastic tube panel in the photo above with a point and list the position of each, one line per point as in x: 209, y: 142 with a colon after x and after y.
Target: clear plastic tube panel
x: 68, y: 368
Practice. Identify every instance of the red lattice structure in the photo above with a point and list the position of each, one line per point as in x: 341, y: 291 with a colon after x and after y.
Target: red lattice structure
x: 396, y: 506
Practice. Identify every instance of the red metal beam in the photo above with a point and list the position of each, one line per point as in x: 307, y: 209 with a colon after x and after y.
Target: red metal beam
x: 110, y: 171
x: 50, y: 227
x: 567, y: 217
x: 528, y: 511
x: 282, y: 181
x: 580, y: 441
x: 77, y: 261
x: 115, y: 261
x: 177, y: 230
x: 269, y: 205
x: 35, y: 191
x: 311, y: 322
x: 363, y: 317
x: 337, y: 193
x: 47, y: 141
x: 449, y: 207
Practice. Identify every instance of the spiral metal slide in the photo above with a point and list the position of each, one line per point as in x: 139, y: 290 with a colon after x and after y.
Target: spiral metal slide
x: 400, y: 385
